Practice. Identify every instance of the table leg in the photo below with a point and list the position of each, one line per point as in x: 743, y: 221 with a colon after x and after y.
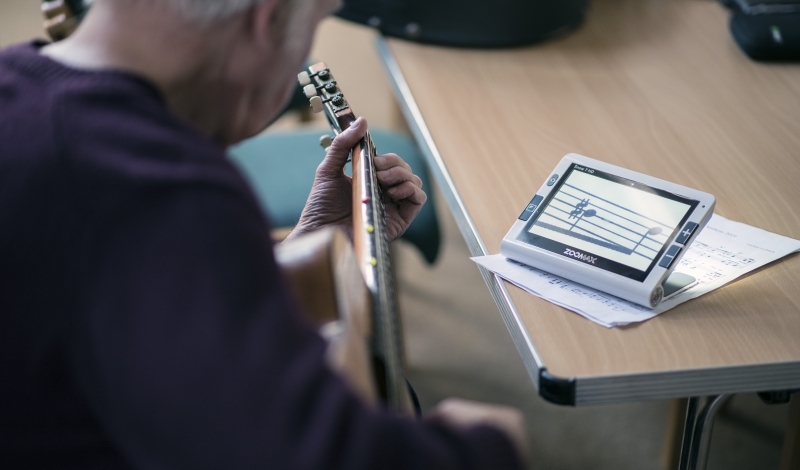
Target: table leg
x: 700, y: 413
x: 790, y: 459
x: 676, y: 418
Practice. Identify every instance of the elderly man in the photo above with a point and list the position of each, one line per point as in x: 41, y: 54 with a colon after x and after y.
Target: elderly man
x: 143, y: 321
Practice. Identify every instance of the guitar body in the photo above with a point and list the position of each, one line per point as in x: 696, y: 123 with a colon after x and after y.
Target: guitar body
x: 324, y: 276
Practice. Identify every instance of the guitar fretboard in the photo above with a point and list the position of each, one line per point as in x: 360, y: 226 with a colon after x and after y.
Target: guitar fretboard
x: 380, y: 281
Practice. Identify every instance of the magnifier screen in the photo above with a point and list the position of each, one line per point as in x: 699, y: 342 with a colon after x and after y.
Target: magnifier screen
x: 608, y: 221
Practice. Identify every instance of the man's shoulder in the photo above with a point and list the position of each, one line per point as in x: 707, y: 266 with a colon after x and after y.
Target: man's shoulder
x: 105, y: 141
x: 120, y: 121
x: 119, y: 141
x: 101, y: 119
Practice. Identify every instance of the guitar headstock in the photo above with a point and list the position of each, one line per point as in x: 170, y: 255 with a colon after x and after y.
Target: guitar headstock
x: 324, y: 94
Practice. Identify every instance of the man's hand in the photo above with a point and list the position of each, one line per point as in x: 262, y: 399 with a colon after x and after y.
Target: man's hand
x: 464, y: 414
x: 330, y: 202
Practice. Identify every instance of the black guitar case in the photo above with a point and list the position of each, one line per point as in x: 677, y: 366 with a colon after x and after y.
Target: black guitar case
x: 468, y: 23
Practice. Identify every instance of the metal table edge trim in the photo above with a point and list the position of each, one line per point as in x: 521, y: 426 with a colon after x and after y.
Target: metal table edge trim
x: 704, y: 381
x: 519, y: 334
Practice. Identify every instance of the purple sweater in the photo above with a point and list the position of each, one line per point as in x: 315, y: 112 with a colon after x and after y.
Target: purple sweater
x: 143, y: 321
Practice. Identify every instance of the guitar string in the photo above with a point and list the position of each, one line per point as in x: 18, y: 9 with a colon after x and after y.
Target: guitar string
x: 384, y: 296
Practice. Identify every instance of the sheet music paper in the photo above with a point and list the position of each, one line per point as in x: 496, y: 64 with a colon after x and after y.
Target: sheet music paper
x: 722, y: 252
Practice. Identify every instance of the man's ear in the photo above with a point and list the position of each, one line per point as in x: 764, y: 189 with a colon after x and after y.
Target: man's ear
x: 261, y: 22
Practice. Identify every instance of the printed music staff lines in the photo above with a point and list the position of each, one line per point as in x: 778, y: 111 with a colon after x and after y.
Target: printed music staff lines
x: 707, y: 263
x: 577, y: 291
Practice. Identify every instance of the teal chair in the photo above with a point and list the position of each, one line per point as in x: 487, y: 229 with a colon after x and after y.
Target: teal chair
x: 281, y: 166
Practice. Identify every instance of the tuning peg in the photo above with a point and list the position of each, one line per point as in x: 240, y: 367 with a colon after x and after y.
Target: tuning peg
x: 316, y: 104
x: 303, y: 78
x: 60, y: 26
x: 53, y: 8
x: 325, y: 141
x: 310, y: 90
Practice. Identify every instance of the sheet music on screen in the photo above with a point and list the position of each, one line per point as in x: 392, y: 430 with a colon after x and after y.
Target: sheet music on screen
x: 610, y: 217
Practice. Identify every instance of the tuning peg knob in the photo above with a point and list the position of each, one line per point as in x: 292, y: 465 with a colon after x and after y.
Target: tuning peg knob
x: 316, y: 104
x: 53, y: 8
x: 303, y: 78
x: 309, y: 91
x: 325, y: 141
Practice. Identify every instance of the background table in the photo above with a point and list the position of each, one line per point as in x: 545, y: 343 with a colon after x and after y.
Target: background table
x: 658, y: 87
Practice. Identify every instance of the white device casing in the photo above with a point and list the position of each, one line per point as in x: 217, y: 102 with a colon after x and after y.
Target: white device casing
x: 649, y: 292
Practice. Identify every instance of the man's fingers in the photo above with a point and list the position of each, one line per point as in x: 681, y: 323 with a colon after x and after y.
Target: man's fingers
x: 389, y: 160
x: 337, y: 154
x: 392, y: 171
x: 408, y: 191
x: 397, y: 175
x: 464, y: 414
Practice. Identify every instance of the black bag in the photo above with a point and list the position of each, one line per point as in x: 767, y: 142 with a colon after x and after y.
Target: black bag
x: 767, y: 30
x: 468, y: 23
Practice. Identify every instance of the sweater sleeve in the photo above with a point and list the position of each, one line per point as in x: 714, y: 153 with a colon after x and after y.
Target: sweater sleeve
x: 191, y: 354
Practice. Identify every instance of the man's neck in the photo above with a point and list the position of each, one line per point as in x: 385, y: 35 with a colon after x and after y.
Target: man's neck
x: 183, y: 62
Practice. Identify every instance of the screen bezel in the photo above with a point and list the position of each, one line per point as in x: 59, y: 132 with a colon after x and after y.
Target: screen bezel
x: 600, y: 262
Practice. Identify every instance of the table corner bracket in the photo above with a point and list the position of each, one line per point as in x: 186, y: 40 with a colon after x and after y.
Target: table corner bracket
x: 556, y: 389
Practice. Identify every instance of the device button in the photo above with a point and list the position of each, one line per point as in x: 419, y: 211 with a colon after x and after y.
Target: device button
x: 552, y: 180
x: 531, y: 207
x: 669, y: 256
x: 666, y: 261
x: 687, y: 232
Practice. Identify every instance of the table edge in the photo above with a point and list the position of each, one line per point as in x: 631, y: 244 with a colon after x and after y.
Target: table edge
x: 530, y: 356
x: 703, y: 381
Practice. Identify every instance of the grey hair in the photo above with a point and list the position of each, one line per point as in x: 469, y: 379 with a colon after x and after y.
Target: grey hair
x: 213, y: 10
x: 210, y: 10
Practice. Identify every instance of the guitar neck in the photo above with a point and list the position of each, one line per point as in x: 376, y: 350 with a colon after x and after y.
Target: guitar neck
x: 370, y: 241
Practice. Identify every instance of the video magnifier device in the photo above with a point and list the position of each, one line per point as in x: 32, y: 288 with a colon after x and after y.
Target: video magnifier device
x: 611, y: 229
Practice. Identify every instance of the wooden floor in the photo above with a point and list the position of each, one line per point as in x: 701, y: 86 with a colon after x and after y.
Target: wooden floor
x: 20, y: 20
x: 457, y: 343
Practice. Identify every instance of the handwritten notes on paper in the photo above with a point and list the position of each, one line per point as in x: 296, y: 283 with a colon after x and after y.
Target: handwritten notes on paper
x: 722, y: 252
